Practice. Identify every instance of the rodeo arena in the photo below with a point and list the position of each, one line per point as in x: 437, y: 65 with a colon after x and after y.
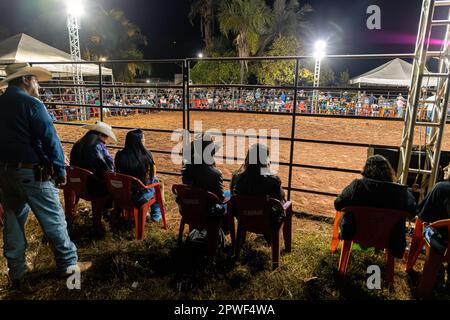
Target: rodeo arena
x: 322, y: 141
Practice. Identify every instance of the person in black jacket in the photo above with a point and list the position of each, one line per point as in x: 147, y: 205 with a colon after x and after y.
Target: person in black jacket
x: 254, y: 177
x: 376, y: 189
x: 435, y: 207
x: 199, y: 169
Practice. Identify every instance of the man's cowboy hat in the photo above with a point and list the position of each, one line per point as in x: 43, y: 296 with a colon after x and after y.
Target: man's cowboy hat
x: 103, y: 128
x: 17, y: 70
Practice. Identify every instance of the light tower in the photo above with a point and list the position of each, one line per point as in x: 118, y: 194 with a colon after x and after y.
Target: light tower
x: 74, y: 11
x: 319, y: 54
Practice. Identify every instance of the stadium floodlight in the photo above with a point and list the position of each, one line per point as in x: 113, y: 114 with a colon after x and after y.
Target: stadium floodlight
x: 103, y: 59
x: 75, y: 7
x: 319, y: 49
x: 147, y: 81
x: 200, y: 55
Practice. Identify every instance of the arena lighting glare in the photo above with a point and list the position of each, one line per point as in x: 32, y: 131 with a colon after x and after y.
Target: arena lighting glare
x: 75, y: 7
x: 200, y: 55
x: 147, y: 81
x: 102, y: 59
x: 319, y: 49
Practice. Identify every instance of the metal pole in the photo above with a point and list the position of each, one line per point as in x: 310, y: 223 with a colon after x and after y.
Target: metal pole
x: 316, y: 84
x: 100, y: 85
x: 188, y: 95
x: 294, y: 116
x: 183, y: 101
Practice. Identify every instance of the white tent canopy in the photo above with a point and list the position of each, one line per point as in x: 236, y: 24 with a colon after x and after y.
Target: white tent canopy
x: 395, y: 73
x: 23, y: 48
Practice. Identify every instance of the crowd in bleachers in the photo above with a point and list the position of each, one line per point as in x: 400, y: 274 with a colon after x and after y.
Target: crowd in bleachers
x: 142, y: 100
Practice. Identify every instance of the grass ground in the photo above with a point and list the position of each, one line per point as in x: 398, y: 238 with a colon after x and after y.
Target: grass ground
x: 157, y: 268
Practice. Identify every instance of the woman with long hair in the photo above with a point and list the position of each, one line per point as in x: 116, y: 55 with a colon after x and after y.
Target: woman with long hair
x: 199, y: 168
x: 376, y: 189
x: 254, y: 176
x: 136, y: 161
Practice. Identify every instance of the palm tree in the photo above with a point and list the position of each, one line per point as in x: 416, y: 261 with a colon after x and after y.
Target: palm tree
x: 205, y: 10
x: 245, y: 19
x: 286, y: 20
x: 113, y: 36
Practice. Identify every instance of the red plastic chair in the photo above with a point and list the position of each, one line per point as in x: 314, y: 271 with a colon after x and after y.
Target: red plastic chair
x: 373, y: 229
x: 417, y: 244
x: 76, y: 189
x: 254, y: 214
x: 120, y: 188
x: 433, y: 262
x: 194, y: 206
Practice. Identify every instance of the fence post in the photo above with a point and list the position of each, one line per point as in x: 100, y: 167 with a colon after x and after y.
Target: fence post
x: 294, y: 116
x: 183, y: 101
x: 188, y: 95
x: 100, y: 85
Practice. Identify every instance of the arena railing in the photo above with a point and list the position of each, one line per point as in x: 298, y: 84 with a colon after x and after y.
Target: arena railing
x: 186, y: 109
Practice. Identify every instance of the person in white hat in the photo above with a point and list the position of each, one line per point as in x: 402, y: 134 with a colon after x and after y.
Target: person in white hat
x: 31, y: 165
x: 91, y: 153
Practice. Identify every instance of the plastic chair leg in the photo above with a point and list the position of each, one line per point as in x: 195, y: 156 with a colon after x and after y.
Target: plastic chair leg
x: 180, y: 232
x: 431, y: 268
x: 70, y: 200
x: 287, y: 234
x: 287, y: 231
x: 417, y: 244
x: 2, y: 214
x: 232, y: 230
x: 390, y: 261
x: 345, y: 256
x: 239, y: 241
x: 139, y: 216
x: 97, y: 210
x: 159, y: 199
x: 213, y: 235
x: 275, y: 250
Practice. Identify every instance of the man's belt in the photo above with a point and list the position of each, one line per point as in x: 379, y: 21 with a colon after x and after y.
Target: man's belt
x: 16, y: 165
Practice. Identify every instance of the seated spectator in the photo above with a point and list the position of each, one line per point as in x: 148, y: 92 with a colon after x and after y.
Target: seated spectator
x: 136, y: 161
x: 436, y: 206
x: 376, y: 189
x: 199, y: 168
x: 254, y: 177
x: 90, y: 153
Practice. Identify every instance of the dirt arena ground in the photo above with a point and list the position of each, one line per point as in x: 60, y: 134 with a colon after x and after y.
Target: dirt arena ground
x: 348, y: 130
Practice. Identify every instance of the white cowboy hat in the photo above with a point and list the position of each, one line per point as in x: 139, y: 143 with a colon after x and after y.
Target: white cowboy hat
x: 17, y: 70
x: 103, y: 128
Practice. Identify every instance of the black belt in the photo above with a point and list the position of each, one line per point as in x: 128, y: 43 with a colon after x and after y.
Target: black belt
x: 17, y: 165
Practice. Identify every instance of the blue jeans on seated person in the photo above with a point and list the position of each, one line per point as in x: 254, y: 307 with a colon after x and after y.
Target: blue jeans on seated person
x: 20, y: 194
x: 145, y: 196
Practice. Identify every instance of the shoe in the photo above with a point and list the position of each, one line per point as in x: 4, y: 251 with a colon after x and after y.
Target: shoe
x: 82, y: 267
x: 21, y: 285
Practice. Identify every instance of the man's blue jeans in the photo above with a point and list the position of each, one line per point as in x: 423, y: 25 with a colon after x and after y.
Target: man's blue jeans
x: 20, y: 194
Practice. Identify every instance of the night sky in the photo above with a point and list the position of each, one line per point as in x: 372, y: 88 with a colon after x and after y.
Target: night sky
x: 341, y: 22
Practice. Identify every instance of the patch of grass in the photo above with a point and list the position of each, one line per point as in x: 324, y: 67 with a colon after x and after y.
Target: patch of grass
x: 158, y: 268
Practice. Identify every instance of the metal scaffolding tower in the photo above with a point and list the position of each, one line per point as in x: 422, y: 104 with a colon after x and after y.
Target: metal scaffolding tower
x: 417, y: 100
x: 73, y: 25
x: 316, y: 84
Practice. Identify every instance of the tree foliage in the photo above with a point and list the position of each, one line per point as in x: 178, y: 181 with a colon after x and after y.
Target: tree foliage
x: 282, y: 72
x: 245, y: 21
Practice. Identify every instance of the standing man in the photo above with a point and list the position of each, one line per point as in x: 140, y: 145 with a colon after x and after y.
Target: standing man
x: 31, y: 166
